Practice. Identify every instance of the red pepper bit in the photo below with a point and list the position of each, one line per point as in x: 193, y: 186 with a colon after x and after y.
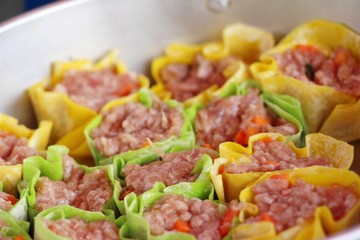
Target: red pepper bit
x: 12, y: 199
x: 19, y: 237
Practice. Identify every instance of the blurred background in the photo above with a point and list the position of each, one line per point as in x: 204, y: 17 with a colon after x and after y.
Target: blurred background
x: 11, y: 8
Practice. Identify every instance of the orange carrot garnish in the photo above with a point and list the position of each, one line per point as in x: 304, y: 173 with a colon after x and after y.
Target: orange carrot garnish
x: 272, y: 162
x: 260, y: 120
x: 340, y: 57
x: 126, y: 89
x: 182, y: 226
x: 266, y: 217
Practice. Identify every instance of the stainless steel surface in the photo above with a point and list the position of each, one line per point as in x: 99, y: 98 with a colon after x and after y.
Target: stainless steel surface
x: 140, y: 29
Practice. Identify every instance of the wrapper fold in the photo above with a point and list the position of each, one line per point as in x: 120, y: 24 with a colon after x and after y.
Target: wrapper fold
x: 65, y: 212
x: 239, y: 40
x: 228, y: 186
x: 323, y: 222
x: 52, y: 167
x: 15, y: 227
x: 70, y: 118
x: 151, y: 152
x: 20, y: 209
x: 201, y: 188
x: 326, y: 110
x: 36, y: 138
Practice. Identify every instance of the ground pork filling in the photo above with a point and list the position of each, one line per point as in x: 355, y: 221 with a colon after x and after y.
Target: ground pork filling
x: 7, y: 201
x: 340, y: 70
x: 235, y: 119
x: 93, y: 89
x: 132, y: 125
x: 186, y: 81
x: 273, y: 156
x: 88, y: 191
x: 288, y: 205
x: 172, y: 169
x: 78, y: 229
x: 13, y: 150
x: 201, y: 218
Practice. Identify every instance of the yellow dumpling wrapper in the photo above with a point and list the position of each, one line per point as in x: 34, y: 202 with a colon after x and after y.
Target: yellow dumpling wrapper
x: 37, y: 138
x: 325, y: 109
x: 69, y: 117
x: 321, y: 224
x: 228, y: 186
x: 239, y: 40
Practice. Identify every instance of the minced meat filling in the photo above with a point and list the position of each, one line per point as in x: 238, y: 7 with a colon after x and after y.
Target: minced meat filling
x: 288, y: 205
x: 130, y: 126
x: 236, y: 118
x: 88, y: 191
x: 93, y: 89
x: 78, y: 229
x: 274, y: 156
x: 172, y: 169
x: 13, y: 150
x: 201, y: 218
x: 186, y: 81
x: 340, y: 70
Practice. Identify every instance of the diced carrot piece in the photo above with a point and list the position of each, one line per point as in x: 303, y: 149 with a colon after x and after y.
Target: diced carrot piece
x: 306, y: 48
x: 221, y: 168
x: 226, y: 220
x: 266, y: 217
x: 251, y: 131
x: 272, y: 162
x: 19, y: 237
x: 340, y: 57
x: 240, y: 138
x: 182, y: 226
x: 267, y: 139
x: 243, y: 137
x: 261, y: 121
x: 280, y: 176
x: 126, y: 89
x: 206, y: 145
x: 11, y: 199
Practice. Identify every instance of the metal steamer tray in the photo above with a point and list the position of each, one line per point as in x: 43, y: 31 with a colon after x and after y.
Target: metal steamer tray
x: 141, y: 29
